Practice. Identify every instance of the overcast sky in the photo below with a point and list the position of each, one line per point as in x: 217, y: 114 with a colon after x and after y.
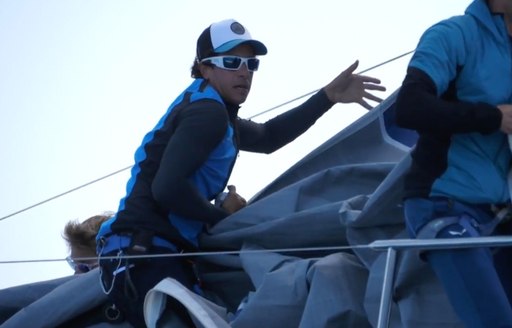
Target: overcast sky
x: 81, y: 82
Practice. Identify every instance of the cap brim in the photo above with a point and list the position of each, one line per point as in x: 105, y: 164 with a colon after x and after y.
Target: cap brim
x: 258, y: 47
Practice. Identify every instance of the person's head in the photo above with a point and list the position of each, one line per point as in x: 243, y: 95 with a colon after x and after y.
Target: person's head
x: 226, y: 58
x: 81, y: 240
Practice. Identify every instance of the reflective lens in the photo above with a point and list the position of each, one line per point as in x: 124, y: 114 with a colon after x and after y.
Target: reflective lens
x: 79, y: 267
x: 233, y: 63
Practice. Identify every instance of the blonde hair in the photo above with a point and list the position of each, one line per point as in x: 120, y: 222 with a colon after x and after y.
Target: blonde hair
x: 83, y: 235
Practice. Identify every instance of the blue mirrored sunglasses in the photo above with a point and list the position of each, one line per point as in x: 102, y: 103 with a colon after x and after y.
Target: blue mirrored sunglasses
x: 233, y: 63
x: 80, y: 266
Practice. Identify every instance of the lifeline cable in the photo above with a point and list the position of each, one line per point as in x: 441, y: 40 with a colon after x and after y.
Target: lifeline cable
x: 200, y: 254
x: 128, y: 167
x: 377, y: 245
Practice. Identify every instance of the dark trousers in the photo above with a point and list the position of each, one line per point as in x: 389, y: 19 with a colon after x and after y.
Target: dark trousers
x: 471, y: 277
x: 133, y: 278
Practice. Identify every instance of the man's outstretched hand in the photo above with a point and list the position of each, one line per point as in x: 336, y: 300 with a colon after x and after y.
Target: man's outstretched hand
x: 353, y: 88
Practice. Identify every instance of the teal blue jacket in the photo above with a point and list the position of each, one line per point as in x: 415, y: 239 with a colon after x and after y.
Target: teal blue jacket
x: 461, y: 153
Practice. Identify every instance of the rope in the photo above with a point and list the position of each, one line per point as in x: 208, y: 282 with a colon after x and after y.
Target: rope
x: 128, y: 167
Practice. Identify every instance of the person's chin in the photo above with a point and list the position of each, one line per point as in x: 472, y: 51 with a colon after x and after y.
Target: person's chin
x: 238, y: 100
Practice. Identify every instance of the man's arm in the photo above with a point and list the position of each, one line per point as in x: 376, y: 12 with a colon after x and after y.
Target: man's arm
x: 347, y: 87
x: 269, y: 136
x: 199, y: 130
x: 419, y: 108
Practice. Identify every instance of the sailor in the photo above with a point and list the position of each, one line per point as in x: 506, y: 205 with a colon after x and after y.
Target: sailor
x: 185, y: 162
x: 457, y: 95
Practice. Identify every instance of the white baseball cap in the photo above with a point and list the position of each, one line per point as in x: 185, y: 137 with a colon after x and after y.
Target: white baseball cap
x: 223, y: 36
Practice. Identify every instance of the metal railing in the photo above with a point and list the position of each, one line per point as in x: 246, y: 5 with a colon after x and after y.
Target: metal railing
x: 392, y: 246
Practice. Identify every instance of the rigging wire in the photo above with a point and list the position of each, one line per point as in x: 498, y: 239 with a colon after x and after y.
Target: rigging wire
x: 128, y: 167
x: 312, y: 92
x: 65, y: 193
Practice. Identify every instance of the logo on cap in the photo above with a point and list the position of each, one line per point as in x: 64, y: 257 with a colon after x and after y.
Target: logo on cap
x: 237, y: 28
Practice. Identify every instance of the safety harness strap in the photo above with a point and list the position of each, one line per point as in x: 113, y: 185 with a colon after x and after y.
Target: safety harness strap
x: 432, y: 229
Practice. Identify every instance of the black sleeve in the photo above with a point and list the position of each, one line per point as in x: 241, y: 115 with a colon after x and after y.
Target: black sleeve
x: 419, y: 108
x: 269, y: 136
x: 199, y: 129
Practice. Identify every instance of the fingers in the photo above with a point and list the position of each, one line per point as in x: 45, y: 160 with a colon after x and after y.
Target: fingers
x: 367, y: 79
x: 365, y: 104
x: 370, y: 83
x: 232, y: 190
x: 350, y: 69
x: 353, y: 88
x: 374, y: 87
x: 506, y: 118
x: 369, y: 96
